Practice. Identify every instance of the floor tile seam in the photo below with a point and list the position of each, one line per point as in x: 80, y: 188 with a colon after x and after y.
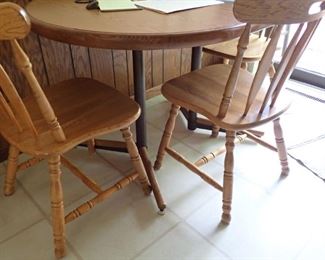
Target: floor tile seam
x: 72, y: 250
x: 162, y: 131
x: 110, y: 163
x: 301, y: 163
x: 207, y: 240
x: 22, y: 230
x: 188, y: 215
x: 241, y: 176
x: 47, y: 218
x: 32, y: 199
x: 157, y: 239
x: 211, y: 197
x: 310, y: 239
x: 301, y: 250
x: 307, y: 142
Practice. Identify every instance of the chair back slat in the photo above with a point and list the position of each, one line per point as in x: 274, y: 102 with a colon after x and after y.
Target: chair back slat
x: 263, y: 68
x: 278, y: 11
x: 8, y: 111
x: 282, y: 66
x: 233, y: 77
x: 15, y: 107
x: 23, y: 63
x: 14, y: 24
x: 277, y: 14
x: 298, y: 51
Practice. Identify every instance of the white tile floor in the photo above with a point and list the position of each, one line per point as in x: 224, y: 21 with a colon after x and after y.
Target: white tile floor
x: 273, y: 217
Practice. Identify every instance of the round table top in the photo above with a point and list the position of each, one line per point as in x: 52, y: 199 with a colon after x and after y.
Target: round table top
x: 66, y: 21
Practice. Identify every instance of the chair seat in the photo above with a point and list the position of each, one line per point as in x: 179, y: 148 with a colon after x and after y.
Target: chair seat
x: 255, y: 49
x: 89, y: 108
x: 201, y: 91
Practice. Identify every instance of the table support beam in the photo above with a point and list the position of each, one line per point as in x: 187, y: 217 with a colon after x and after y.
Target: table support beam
x: 195, y: 64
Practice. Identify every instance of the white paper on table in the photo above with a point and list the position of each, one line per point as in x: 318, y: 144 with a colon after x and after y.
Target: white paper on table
x: 170, y: 6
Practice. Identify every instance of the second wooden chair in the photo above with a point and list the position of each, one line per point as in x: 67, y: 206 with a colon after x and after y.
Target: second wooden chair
x: 237, y: 100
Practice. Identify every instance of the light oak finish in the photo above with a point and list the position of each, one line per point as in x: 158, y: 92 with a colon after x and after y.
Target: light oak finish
x: 131, y: 30
x: 73, y: 24
x: 48, y: 123
x: 236, y: 100
x: 54, y: 62
x: 228, y: 50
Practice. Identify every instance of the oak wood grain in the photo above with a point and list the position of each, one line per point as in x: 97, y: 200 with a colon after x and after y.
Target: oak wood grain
x: 157, y: 67
x: 51, y: 121
x: 232, y: 98
x: 102, y: 65
x: 81, y: 61
x: 131, y: 30
x: 172, y: 64
x: 57, y: 57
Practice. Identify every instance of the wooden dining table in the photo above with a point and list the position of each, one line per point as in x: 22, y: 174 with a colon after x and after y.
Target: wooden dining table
x: 136, y: 30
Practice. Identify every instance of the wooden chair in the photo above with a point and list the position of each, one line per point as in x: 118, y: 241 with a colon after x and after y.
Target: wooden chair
x: 254, y: 53
x: 237, y: 100
x: 50, y: 122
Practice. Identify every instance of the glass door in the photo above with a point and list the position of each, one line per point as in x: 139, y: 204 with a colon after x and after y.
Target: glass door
x: 311, y: 67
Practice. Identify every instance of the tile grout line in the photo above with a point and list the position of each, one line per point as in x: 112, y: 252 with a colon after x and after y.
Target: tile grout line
x: 204, y: 238
x: 48, y: 218
x: 22, y: 230
x: 112, y: 164
x: 155, y: 240
x: 301, y: 163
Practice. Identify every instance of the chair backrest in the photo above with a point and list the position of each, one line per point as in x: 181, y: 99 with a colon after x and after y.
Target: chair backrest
x: 306, y: 13
x: 15, y: 24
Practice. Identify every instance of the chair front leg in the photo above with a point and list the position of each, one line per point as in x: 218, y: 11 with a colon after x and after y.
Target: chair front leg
x: 136, y: 160
x: 58, y: 224
x: 10, y: 179
x: 165, y: 140
x: 228, y: 177
x: 282, y: 150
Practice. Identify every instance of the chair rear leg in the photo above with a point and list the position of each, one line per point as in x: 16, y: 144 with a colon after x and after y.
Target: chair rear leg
x: 282, y: 150
x: 272, y: 71
x: 225, y: 61
x: 10, y: 179
x: 91, y: 146
x: 136, y: 160
x: 165, y: 140
x: 228, y: 177
x: 58, y: 224
x: 215, y: 131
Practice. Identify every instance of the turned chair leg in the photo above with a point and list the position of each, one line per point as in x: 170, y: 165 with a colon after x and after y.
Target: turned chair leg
x: 215, y: 131
x: 165, y: 140
x: 244, y: 65
x: 282, y: 150
x: 10, y: 179
x: 58, y: 224
x: 91, y: 146
x: 225, y: 61
x: 136, y: 160
x: 272, y: 71
x: 228, y: 177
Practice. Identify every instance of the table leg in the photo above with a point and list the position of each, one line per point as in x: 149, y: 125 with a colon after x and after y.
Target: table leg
x: 141, y: 130
x: 195, y: 64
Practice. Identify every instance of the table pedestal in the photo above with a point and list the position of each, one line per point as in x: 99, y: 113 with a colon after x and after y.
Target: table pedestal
x: 141, y: 130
